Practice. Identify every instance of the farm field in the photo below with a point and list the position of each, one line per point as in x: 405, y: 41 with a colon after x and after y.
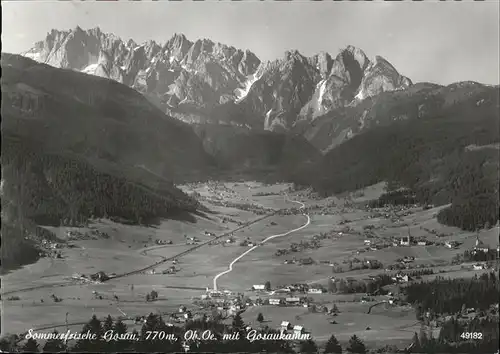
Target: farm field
x: 392, y: 324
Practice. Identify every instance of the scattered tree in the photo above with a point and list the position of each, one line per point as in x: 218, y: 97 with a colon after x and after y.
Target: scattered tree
x: 260, y: 317
x: 31, y: 346
x: 267, y: 285
x: 335, y: 309
x: 54, y: 345
x: 108, y: 324
x: 416, y: 343
x: 238, y: 322
x: 308, y: 346
x: 333, y: 346
x: 356, y: 345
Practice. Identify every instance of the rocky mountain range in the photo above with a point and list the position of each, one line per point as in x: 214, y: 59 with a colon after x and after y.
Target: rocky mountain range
x: 207, y: 82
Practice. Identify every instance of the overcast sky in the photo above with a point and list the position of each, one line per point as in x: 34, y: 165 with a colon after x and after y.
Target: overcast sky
x: 441, y: 42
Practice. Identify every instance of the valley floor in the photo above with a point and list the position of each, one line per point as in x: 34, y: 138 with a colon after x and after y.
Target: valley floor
x: 27, y: 301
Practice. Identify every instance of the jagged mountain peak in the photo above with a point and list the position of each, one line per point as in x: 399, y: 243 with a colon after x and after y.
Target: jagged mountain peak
x: 358, y: 55
x: 203, y: 80
x: 177, y: 39
x: 294, y: 55
x: 380, y: 60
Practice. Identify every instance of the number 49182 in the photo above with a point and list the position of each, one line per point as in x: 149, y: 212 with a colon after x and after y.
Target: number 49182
x: 471, y: 335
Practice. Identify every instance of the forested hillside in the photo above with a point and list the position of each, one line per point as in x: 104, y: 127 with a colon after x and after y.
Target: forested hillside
x: 451, y: 157
x: 255, y: 152
x: 96, y: 118
x: 52, y: 187
x: 56, y: 188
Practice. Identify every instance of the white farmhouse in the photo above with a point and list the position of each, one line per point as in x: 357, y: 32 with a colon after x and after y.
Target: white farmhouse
x: 298, y: 330
x: 258, y: 287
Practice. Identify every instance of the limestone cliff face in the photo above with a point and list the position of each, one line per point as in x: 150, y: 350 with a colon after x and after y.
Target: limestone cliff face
x: 381, y: 76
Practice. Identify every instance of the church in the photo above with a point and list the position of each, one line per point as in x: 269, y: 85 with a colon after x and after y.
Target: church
x: 480, y: 246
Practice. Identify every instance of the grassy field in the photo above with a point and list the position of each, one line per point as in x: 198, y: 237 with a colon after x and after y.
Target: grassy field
x: 132, y: 247
x: 394, y: 324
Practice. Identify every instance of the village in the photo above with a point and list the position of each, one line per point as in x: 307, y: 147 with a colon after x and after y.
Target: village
x: 345, y: 272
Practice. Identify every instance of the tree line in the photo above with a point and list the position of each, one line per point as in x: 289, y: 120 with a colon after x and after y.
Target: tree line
x: 448, y: 296
x: 142, y: 341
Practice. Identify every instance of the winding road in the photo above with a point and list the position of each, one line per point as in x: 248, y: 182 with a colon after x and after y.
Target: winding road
x: 267, y: 239
x: 141, y: 270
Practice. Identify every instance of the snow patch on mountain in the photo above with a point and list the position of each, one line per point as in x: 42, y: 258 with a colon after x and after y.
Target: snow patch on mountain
x: 322, y: 89
x: 267, y: 121
x: 90, y: 69
x: 33, y: 55
x: 242, y: 93
x: 360, y: 96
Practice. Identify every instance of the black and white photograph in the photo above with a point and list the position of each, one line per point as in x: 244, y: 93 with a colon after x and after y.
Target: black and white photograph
x: 248, y: 176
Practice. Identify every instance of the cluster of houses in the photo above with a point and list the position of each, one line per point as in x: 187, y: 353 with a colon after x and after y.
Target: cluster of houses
x: 452, y: 244
x: 287, y: 326
x: 293, y: 288
x: 479, y: 266
x: 289, y: 301
x: 226, y: 301
x: 226, y: 219
x: 371, y: 246
x: 228, y: 241
x: 192, y: 240
x: 411, y: 241
x: 51, y: 245
x: 258, y: 287
x: 298, y: 247
x: 480, y: 246
x: 170, y: 270
x: 163, y: 242
x: 290, y: 211
x: 51, y: 249
x: 99, y: 276
x: 302, y: 261
x: 401, y: 278
x: 182, y: 315
x: 406, y: 259
x: 247, y: 243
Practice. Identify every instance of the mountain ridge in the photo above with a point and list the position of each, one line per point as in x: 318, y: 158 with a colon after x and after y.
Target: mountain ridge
x: 203, y: 81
